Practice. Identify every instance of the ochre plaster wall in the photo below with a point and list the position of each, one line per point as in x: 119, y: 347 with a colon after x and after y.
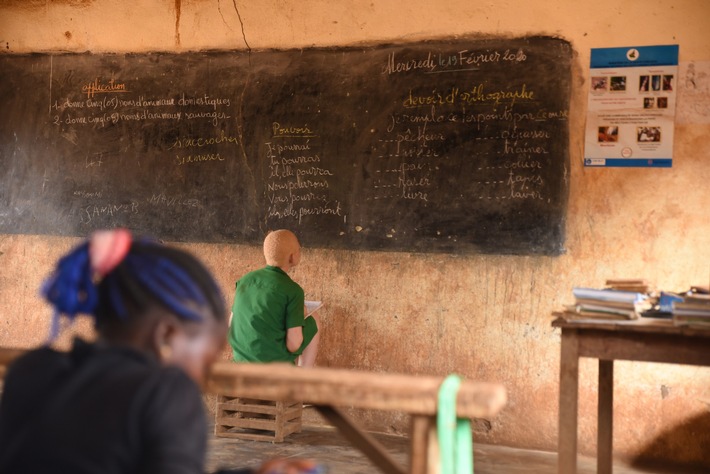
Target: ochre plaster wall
x: 486, y: 317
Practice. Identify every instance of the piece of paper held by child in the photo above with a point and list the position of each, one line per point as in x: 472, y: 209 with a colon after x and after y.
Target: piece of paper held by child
x: 312, y: 306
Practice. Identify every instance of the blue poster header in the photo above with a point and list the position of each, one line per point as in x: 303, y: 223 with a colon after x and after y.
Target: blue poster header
x: 644, y: 56
x: 628, y: 163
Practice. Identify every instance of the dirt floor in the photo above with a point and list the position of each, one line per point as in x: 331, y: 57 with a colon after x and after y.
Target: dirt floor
x: 328, y: 447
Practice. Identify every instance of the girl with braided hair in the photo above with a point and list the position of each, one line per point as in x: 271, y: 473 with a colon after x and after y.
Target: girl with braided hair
x: 129, y: 402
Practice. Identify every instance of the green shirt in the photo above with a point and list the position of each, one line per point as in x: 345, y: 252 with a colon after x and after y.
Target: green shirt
x: 266, y: 304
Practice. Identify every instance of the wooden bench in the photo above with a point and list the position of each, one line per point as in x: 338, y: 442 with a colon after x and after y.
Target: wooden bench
x: 327, y: 389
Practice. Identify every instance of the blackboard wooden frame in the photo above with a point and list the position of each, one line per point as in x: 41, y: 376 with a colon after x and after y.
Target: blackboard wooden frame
x: 458, y: 146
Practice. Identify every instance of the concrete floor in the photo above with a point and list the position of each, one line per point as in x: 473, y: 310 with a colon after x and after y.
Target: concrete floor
x: 328, y: 447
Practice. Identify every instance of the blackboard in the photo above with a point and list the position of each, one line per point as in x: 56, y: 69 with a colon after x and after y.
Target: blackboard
x: 457, y: 146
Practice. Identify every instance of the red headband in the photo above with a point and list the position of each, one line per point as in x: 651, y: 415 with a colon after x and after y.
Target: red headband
x: 107, y: 248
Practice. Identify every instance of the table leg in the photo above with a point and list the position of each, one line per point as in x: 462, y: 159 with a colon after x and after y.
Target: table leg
x: 569, y: 387
x: 605, y: 412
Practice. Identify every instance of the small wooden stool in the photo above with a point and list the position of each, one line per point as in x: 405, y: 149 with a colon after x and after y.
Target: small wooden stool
x: 260, y: 420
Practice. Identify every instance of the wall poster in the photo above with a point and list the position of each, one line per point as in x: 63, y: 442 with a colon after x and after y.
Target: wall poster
x: 631, y: 108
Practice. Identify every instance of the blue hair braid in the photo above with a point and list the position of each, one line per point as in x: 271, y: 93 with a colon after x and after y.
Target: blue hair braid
x: 150, y: 274
x: 167, y: 276
x: 71, y: 289
x: 114, y: 295
x: 159, y: 277
x: 177, y: 277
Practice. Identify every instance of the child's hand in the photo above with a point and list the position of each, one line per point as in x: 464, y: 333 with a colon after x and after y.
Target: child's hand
x: 291, y: 466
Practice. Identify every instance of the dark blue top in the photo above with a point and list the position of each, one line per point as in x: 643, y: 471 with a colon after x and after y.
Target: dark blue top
x: 100, y: 409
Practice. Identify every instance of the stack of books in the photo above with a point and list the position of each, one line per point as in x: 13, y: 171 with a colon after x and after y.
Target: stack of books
x: 607, y: 303
x: 633, y: 285
x: 694, y: 310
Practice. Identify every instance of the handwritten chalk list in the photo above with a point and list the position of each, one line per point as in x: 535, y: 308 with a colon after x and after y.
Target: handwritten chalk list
x: 447, y: 146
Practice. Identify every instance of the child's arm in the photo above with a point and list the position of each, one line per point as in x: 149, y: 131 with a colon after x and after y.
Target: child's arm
x: 294, y: 338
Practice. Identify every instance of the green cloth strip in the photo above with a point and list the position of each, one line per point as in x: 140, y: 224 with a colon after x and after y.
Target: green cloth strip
x: 455, y: 439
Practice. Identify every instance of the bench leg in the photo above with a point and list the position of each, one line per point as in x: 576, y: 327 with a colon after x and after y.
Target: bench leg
x: 424, y: 454
x: 361, y: 440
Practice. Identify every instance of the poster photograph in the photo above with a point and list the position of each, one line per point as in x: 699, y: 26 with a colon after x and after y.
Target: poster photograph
x: 631, y: 107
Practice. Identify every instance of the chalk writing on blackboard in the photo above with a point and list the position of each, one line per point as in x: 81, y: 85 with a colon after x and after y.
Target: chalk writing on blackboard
x: 441, y: 146
x: 299, y: 179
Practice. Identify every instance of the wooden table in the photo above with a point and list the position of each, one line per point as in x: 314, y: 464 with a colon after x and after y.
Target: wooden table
x: 646, y: 340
